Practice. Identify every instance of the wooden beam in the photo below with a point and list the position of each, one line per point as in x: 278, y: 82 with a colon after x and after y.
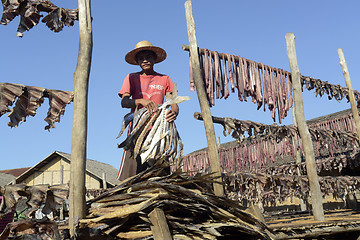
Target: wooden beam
x: 104, y: 180
x: 298, y: 161
x: 351, y: 92
x: 159, y: 227
x: 204, y: 105
x: 61, y: 174
x: 316, y: 231
x: 316, y: 197
x: 79, y: 127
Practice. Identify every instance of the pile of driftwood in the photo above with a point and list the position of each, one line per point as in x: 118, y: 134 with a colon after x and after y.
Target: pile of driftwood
x: 271, y: 189
x: 191, y: 209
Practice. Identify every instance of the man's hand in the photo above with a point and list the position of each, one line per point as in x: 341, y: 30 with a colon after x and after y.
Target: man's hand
x: 150, y: 105
x: 171, y: 115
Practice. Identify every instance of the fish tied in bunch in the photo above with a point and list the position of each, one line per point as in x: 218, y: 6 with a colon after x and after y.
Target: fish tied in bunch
x: 152, y: 136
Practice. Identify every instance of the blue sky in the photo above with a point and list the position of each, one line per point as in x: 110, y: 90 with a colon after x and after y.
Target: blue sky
x: 252, y: 29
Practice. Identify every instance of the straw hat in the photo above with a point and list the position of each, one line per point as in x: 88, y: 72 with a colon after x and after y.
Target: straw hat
x: 130, y: 57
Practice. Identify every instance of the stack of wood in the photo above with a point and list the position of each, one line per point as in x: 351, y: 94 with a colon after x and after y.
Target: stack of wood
x: 192, y: 211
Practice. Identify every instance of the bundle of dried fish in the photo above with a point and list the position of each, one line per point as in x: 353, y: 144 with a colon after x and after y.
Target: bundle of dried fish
x: 191, y: 209
x: 344, y: 122
x: 345, y: 161
x: 26, y: 105
x: 58, y: 100
x: 8, y: 94
x: 265, y: 143
x: 270, y: 189
x: 223, y: 73
x: 28, y: 99
x: 30, y: 13
x: 152, y: 136
x: 31, y: 229
x: 268, y: 86
x: 52, y: 196
x: 333, y: 91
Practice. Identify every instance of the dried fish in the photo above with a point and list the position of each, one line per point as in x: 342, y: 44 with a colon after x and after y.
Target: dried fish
x: 159, y: 141
x: 30, y: 15
x: 8, y: 94
x: 190, y: 207
x: 26, y: 105
x: 58, y: 100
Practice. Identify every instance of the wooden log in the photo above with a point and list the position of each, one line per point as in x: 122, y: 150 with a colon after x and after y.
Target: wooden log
x: 351, y: 92
x: 328, y: 229
x: 159, y: 227
x: 104, y: 181
x: 204, y: 105
x: 316, y: 197
x: 298, y: 161
x: 79, y: 127
x: 61, y: 174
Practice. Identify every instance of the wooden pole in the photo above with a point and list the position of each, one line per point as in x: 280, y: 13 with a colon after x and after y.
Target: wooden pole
x: 104, y: 180
x: 316, y: 197
x: 298, y: 161
x: 351, y: 92
x: 79, y: 128
x: 159, y: 227
x: 61, y: 174
x: 204, y: 105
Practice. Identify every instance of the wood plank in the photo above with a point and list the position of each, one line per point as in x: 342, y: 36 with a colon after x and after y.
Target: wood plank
x: 295, y: 227
x: 159, y: 226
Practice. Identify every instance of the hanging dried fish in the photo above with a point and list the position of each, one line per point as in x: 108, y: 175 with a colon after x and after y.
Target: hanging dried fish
x: 8, y: 94
x: 226, y: 79
x: 217, y: 72
x: 26, y: 105
x: 277, y: 138
x: 211, y: 80
x: 240, y: 84
x: 230, y: 70
x: 244, y: 75
x: 30, y: 15
x: 58, y: 100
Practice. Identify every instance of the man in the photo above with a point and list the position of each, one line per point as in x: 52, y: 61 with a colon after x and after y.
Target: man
x: 146, y: 88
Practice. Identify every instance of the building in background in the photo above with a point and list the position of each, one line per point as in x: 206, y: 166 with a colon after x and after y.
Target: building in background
x: 55, y: 169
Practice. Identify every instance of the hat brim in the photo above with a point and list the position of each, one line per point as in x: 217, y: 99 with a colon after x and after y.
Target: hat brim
x: 130, y: 57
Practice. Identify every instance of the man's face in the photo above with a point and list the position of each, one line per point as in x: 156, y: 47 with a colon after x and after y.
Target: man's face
x: 146, y: 60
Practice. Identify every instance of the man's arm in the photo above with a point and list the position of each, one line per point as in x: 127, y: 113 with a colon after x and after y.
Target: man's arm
x: 126, y: 102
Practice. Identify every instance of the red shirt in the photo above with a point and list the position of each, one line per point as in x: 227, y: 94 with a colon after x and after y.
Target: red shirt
x: 151, y: 87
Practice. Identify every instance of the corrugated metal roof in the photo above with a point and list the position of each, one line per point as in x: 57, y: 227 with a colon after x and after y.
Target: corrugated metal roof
x: 16, y: 171
x: 98, y: 168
